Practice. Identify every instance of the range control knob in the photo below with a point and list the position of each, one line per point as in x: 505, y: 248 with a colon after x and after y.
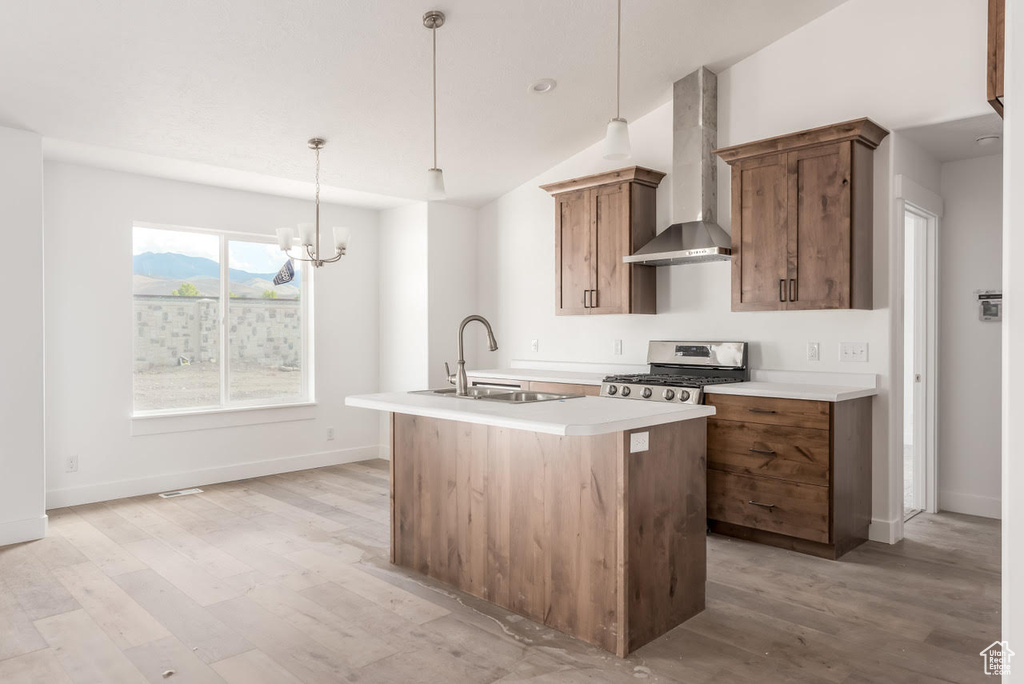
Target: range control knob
x: 647, y: 393
x: 684, y: 395
x: 625, y: 390
x: 669, y: 394
x: 612, y: 389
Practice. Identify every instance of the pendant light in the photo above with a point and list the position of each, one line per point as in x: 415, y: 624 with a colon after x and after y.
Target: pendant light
x: 434, y: 20
x: 616, y: 139
x: 309, y: 233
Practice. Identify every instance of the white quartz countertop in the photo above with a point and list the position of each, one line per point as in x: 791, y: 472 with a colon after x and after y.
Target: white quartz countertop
x: 784, y: 390
x: 583, y: 416
x: 539, y: 375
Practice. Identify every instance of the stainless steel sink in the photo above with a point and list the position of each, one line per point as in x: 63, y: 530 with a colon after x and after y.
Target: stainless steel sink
x: 526, y: 397
x: 471, y: 392
x: 497, y: 394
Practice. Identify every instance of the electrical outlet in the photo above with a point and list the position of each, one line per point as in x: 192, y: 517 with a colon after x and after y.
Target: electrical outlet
x: 71, y: 464
x: 617, y: 347
x: 330, y: 434
x: 853, y: 352
x: 534, y: 345
x: 814, y: 351
x: 639, y: 441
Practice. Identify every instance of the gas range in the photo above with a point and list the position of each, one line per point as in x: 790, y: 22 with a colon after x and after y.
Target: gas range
x: 679, y: 371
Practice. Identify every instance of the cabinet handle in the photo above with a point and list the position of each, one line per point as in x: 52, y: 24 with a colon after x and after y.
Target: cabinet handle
x: 762, y: 505
x: 766, y: 452
x: 782, y: 289
x: 793, y: 294
x: 593, y: 299
x: 586, y: 294
x: 761, y: 410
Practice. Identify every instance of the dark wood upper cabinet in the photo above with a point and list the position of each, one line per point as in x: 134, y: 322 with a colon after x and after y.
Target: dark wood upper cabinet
x: 996, y: 37
x: 598, y: 220
x: 802, y: 207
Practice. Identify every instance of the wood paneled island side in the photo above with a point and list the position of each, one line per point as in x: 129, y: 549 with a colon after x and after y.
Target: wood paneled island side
x: 573, y: 531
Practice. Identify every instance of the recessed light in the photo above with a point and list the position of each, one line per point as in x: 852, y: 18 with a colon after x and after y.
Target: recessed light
x: 544, y: 85
x: 987, y: 140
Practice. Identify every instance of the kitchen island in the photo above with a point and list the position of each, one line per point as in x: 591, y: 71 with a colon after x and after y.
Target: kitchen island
x: 587, y: 514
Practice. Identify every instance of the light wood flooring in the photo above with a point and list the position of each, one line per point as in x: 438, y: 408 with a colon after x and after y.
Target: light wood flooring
x: 285, y: 579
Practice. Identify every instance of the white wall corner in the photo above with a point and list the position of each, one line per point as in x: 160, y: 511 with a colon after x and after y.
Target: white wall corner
x: 884, y: 531
x: 971, y: 504
x: 18, y: 531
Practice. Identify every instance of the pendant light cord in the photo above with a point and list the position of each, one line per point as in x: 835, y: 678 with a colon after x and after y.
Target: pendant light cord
x: 618, y: 57
x: 317, y: 202
x: 433, y: 34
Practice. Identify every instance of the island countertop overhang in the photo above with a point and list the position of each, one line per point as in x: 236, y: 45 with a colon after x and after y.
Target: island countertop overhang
x: 582, y: 416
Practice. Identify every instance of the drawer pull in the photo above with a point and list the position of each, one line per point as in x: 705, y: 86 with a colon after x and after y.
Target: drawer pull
x: 761, y: 410
x: 766, y: 452
x: 762, y: 505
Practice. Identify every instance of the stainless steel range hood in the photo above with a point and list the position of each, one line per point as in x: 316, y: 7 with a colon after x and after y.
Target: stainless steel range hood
x: 695, y: 237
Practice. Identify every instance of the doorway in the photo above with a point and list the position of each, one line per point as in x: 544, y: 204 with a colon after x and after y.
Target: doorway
x: 919, y: 266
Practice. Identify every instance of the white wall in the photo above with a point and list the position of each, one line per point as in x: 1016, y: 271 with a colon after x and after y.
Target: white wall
x: 22, y: 515
x: 970, y: 371
x: 1013, y: 341
x: 88, y: 225
x: 452, y: 291
x: 403, y: 298
x: 818, y: 75
x: 428, y: 284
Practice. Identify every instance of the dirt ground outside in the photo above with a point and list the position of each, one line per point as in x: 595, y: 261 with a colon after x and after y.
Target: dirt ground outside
x: 198, y: 385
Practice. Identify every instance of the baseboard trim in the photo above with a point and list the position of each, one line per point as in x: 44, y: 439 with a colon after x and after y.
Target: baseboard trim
x: 971, y: 504
x: 107, y: 491
x: 18, y: 531
x: 884, y: 531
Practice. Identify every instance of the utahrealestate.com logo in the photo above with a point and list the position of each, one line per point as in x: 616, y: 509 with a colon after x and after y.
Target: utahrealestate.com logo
x: 997, y: 658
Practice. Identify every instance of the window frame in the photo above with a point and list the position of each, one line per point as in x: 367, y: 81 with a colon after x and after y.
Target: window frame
x: 225, y: 405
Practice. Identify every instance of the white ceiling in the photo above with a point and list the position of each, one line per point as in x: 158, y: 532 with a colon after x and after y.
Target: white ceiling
x: 241, y: 84
x: 955, y: 140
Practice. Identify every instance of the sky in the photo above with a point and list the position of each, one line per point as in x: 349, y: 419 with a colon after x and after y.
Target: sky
x: 254, y: 257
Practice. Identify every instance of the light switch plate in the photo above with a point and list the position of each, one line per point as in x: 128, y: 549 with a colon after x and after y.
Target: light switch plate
x: 534, y: 345
x: 639, y: 441
x: 853, y: 352
x: 617, y: 347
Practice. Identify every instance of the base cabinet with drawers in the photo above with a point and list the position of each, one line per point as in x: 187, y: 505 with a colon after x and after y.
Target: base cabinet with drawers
x: 790, y: 473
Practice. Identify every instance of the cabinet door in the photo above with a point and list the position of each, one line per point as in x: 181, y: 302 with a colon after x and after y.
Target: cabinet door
x: 611, y: 242
x: 819, y: 228
x: 574, y: 269
x: 759, y: 233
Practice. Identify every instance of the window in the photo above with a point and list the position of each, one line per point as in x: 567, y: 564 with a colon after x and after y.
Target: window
x: 211, y: 330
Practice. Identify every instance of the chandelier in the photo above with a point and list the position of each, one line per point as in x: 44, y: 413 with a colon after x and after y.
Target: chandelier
x: 309, y: 233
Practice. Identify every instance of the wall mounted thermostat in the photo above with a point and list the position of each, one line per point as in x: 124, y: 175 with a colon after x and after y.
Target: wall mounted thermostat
x: 990, y: 305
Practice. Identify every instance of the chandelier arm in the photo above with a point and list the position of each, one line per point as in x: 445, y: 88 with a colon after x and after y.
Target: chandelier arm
x: 336, y: 257
x: 297, y: 258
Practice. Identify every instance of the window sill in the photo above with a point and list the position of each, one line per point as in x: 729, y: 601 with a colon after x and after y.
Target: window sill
x: 162, y: 422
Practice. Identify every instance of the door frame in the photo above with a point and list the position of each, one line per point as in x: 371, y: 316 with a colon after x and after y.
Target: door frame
x: 909, y: 196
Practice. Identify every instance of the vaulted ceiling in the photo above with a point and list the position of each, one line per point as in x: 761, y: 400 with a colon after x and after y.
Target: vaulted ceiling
x: 241, y: 84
